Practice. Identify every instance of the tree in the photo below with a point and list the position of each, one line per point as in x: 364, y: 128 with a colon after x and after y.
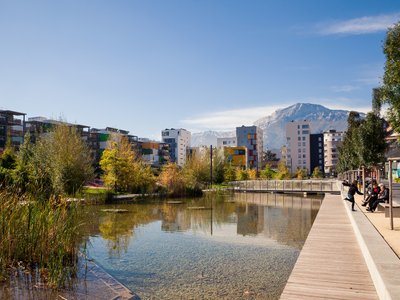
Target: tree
x: 171, y: 177
x: 283, y: 171
x: 242, y: 175
x: 301, y: 173
x: 58, y: 164
x: 267, y: 173
x: 69, y: 159
x: 123, y: 171
x: 390, y: 91
x: 371, y: 141
x: 229, y: 173
x: 316, y: 173
x: 7, y: 164
x: 219, y: 162
x: 23, y: 169
x: 348, y: 157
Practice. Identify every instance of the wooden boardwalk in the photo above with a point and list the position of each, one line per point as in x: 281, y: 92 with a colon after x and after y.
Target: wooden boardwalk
x: 330, y: 265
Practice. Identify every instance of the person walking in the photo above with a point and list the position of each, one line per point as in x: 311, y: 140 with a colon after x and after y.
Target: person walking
x: 353, y: 189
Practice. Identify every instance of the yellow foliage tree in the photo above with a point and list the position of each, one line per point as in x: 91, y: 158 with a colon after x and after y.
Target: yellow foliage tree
x: 172, y: 179
x: 123, y: 171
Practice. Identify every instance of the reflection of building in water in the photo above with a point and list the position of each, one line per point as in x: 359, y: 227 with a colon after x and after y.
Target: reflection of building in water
x: 250, y: 219
x: 285, y: 218
x: 174, y: 219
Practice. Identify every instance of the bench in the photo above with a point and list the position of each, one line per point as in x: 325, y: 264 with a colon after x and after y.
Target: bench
x: 385, y: 207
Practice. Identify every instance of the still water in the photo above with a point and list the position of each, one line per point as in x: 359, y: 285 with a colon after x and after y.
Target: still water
x: 234, y: 246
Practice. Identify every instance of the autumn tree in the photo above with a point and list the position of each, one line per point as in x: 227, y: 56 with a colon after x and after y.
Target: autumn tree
x: 267, y: 172
x: 301, y: 173
x: 123, y: 171
x: 283, y: 171
x: 59, y: 163
x: 172, y: 179
x: 229, y: 172
x: 316, y: 173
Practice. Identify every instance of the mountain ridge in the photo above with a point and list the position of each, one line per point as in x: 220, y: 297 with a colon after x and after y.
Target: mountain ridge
x: 320, y: 117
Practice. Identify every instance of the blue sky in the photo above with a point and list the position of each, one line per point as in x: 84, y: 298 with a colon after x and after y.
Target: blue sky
x: 144, y: 66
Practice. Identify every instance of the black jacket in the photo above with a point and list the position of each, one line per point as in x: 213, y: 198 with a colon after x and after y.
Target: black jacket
x: 353, y: 189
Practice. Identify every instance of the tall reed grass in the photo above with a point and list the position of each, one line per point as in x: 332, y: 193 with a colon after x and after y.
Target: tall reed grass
x: 39, y: 236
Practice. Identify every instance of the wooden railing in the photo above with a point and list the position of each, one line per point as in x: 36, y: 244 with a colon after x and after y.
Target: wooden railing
x: 287, y: 186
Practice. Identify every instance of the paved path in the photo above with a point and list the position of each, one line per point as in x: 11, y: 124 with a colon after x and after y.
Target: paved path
x: 331, y: 264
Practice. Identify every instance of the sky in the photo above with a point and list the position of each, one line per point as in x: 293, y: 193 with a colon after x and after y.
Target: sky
x: 144, y: 66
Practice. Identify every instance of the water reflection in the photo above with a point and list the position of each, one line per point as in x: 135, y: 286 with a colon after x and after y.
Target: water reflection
x: 215, y: 247
x: 285, y: 219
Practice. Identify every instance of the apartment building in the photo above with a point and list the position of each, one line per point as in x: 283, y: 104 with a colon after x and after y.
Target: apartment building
x: 154, y: 153
x: 332, y: 139
x: 317, y: 152
x: 226, y: 142
x: 251, y: 137
x: 237, y: 157
x: 298, y: 145
x: 179, y: 142
x: 99, y: 138
x: 12, y: 128
x: 41, y: 125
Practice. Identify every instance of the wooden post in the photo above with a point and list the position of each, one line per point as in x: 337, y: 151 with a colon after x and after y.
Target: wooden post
x: 211, y: 166
x: 390, y: 195
x: 363, y: 181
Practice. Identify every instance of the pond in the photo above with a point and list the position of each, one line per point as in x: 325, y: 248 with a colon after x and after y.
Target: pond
x: 216, y: 247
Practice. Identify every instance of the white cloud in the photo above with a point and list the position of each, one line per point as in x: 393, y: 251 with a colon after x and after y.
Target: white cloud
x: 229, y: 119
x: 363, y: 25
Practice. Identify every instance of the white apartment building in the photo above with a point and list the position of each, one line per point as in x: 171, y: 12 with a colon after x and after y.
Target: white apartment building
x: 179, y: 142
x: 332, y: 139
x: 226, y: 142
x: 298, y: 145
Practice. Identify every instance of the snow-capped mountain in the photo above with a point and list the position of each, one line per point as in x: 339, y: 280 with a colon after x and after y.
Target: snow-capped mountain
x: 320, y: 117
x: 208, y: 138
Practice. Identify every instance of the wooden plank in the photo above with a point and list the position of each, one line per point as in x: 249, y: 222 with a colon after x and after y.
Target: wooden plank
x: 330, y: 265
